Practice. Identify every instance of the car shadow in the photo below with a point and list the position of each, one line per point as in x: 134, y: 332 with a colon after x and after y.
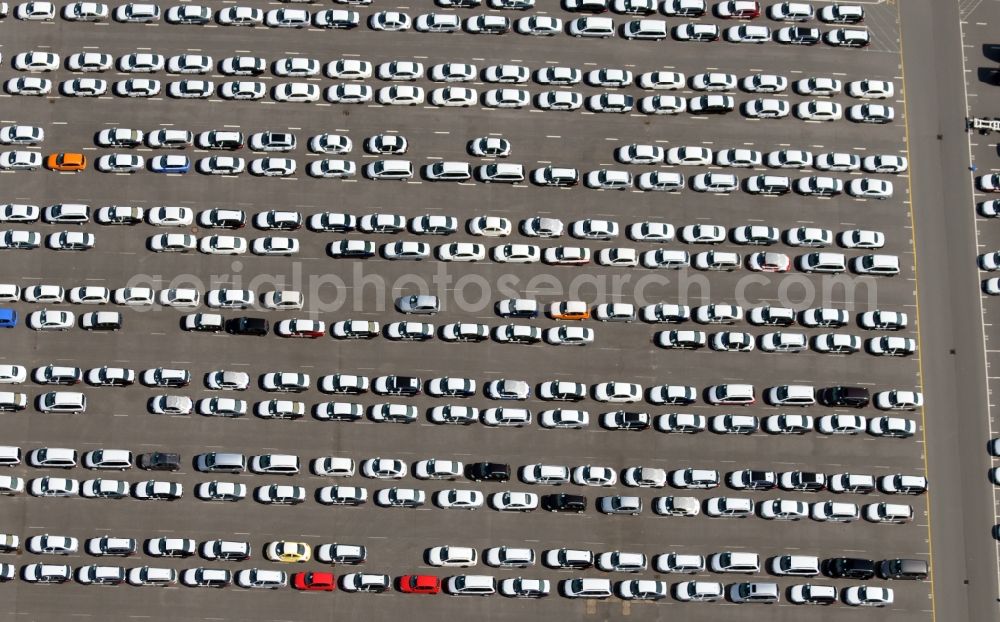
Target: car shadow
x: 991, y: 51
x: 989, y: 75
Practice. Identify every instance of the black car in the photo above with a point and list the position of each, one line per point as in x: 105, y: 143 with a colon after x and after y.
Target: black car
x: 256, y: 326
x: 752, y: 480
x: 488, y: 471
x: 855, y: 397
x: 400, y: 385
x: 908, y: 569
x: 159, y: 461
x: 848, y: 568
x: 631, y: 421
x: 799, y: 35
x: 564, y: 503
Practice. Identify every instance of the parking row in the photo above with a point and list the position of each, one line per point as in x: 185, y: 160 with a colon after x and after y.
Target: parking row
x: 453, y: 72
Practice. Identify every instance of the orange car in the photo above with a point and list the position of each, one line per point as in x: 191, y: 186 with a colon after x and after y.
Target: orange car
x: 66, y: 162
x: 569, y: 310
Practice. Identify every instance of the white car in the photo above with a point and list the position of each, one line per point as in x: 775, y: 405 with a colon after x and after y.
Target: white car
x: 611, y: 102
x: 453, y: 72
x: 242, y: 90
x: 51, y: 320
x: 28, y: 85
x: 617, y: 392
x: 275, y: 245
x: 85, y: 12
x: 335, y: 144
x: 189, y: 14
x: 764, y: 83
x: 819, y: 110
x: 21, y: 135
x: 35, y: 61
x: 303, y: 92
x: 713, y: 82
x: 286, y: 18
x: 539, y: 25
x: 437, y: 22
x: 507, y: 74
x: 871, y: 113
x: 885, y: 164
x: 870, y: 89
x: 137, y: 87
x: 400, y: 70
x: 349, y: 94
x: 454, y: 97
x: 838, y: 161
x: 459, y: 499
x: 273, y: 167
x: 336, y: 18
x: 694, y: 31
x: 84, y: 87
x: 348, y: 69
x: 190, y: 64
x: 662, y: 80
x: 594, y: 476
x: 240, y: 16
x: 296, y: 66
x: 868, y: 596
x: 172, y: 242
x: 35, y: 11
x: 818, y: 86
x: 511, y: 501
x: 766, y: 108
x: 559, y: 100
x: 141, y: 62
x: 506, y: 98
x: 870, y: 188
x: 640, y: 154
x: 401, y: 95
x: 461, y: 251
x: 748, y: 33
x: 120, y: 163
x: 20, y: 160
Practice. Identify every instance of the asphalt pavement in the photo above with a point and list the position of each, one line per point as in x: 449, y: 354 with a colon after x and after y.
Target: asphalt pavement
x: 342, y: 289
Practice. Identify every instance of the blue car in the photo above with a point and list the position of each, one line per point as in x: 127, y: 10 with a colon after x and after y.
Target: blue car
x: 170, y: 164
x: 8, y: 318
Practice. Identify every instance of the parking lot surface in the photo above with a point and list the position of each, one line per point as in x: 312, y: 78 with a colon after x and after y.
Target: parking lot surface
x: 365, y: 289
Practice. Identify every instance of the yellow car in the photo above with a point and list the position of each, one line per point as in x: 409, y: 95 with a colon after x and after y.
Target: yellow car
x: 288, y: 552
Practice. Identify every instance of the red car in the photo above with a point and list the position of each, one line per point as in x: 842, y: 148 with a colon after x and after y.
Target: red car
x: 314, y: 581
x: 738, y: 9
x: 419, y: 584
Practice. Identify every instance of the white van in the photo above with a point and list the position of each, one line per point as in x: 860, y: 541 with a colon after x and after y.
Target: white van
x: 888, y: 513
x: 62, y: 402
x: 470, y: 585
x: 10, y: 456
x: 448, y: 171
x: 651, y: 29
x: 734, y: 562
x: 797, y: 565
x: 389, y: 169
x: 10, y: 401
x: 279, y: 464
x: 586, y: 588
x: 731, y: 394
x: 67, y: 213
x: 500, y: 172
x: 52, y: 457
x: 791, y: 395
x: 666, y: 258
x: 219, y: 462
